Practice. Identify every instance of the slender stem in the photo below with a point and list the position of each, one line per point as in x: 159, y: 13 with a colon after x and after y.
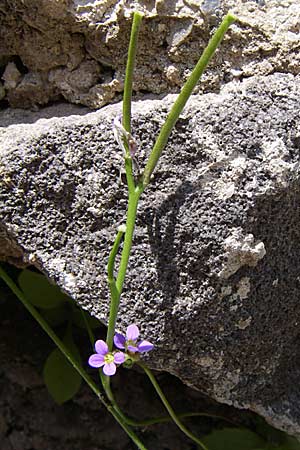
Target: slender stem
x: 163, y: 419
x: 129, y: 173
x: 116, y: 287
x: 42, y: 322
x: 130, y: 225
x: 113, y: 254
x: 169, y: 408
x: 158, y: 419
x: 183, y: 97
x: 113, y: 312
x: 129, y: 431
x: 134, y: 195
x: 114, y: 293
x: 126, y: 119
x: 137, y: 19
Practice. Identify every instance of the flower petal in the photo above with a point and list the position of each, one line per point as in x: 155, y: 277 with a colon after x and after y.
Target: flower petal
x: 119, y: 357
x: 109, y: 369
x: 132, y: 333
x: 96, y: 360
x: 132, y: 348
x: 101, y: 347
x: 145, y: 346
x: 119, y: 341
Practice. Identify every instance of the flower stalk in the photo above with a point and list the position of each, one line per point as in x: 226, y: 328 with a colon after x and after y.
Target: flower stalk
x: 116, y: 286
x: 183, y: 97
x: 170, y: 410
x: 126, y: 119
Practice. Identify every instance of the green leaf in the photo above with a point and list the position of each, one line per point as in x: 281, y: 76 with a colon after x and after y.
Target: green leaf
x: 233, y: 439
x: 289, y: 444
x: 79, y: 321
x: 60, y: 377
x: 39, y: 291
x: 276, y: 439
x: 270, y: 434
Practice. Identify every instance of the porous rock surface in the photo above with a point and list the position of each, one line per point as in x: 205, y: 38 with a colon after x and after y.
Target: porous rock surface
x: 76, y: 49
x: 214, y: 276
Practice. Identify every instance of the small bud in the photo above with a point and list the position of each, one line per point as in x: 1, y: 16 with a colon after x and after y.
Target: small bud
x: 122, y: 228
x: 121, y: 135
x: 124, y: 138
x: 128, y: 363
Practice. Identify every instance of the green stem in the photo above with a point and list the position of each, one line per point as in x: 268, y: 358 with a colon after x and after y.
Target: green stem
x: 130, y: 225
x: 113, y: 254
x: 114, y: 293
x: 183, y: 97
x: 169, y: 408
x: 129, y: 431
x: 113, y: 312
x: 42, y: 322
x: 116, y: 287
x: 163, y: 419
x: 126, y: 119
x: 129, y: 173
x: 137, y: 19
x: 159, y: 419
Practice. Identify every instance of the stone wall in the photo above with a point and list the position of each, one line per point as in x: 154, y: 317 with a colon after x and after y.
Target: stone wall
x: 75, y: 50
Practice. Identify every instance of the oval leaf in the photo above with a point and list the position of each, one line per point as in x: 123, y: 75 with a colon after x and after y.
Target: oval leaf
x: 39, y: 291
x: 233, y: 438
x: 290, y: 444
x: 60, y: 377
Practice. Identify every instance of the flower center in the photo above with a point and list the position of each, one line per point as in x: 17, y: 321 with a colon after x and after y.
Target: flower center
x: 109, y: 358
x: 132, y: 343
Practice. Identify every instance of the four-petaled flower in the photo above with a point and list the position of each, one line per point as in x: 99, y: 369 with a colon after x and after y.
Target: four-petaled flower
x: 104, y: 358
x: 129, y: 342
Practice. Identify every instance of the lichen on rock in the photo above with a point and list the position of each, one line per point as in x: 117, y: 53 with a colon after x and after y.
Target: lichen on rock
x: 241, y: 250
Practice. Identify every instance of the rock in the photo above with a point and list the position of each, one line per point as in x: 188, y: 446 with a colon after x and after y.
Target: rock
x: 33, y: 83
x: 66, y: 43
x: 11, y: 76
x: 214, y: 275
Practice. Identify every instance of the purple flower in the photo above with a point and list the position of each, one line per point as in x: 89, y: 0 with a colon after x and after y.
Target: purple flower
x: 104, y: 358
x: 129, y: 342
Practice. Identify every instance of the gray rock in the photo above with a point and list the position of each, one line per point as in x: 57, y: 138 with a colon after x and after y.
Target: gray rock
x: 77, y: 49
x: 214, y: 273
